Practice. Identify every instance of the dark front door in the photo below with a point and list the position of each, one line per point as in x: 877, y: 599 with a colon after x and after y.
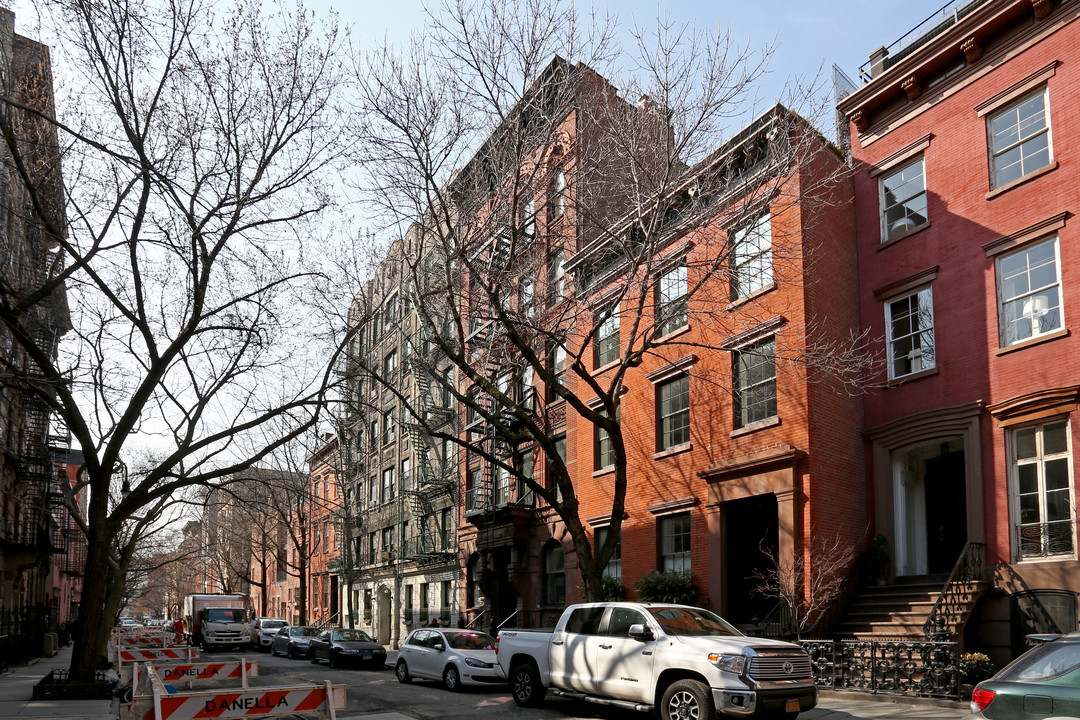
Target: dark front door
x: 946, y: 510
x: 751, y: 540
x: 334, y: 601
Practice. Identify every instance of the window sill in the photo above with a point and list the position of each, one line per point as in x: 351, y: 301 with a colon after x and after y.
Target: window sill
x: 604, y: 471
x: 673, y: 334
x: 604, y: 368
x: 755, y: 426
x: 896, y: 382
x: 752, y: 296
x: 1064, y: 332
x: 1021, y: 180
x: 676, y: 450
x: 903, y: 236
x: 1071, y: 557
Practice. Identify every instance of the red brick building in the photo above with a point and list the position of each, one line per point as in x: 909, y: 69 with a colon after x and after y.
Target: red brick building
x: 968, y: 272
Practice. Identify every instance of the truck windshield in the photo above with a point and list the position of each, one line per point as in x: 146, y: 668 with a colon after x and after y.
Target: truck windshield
x: 691, y: 621
x: 225, y: 615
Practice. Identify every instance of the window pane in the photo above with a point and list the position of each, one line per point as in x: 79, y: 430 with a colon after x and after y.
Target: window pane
x: 1055, y: 440
x: 755, y: 383
x: 1020, y: 139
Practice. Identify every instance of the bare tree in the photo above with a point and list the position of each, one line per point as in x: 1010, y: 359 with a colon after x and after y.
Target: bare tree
x: 538, y: 204
x: 195, y: 140
x: 809, y: 585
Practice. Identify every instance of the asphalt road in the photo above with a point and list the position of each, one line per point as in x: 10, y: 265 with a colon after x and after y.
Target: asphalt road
x: 378, y: 691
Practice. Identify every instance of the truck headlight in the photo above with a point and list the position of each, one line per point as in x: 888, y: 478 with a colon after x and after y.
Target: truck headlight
x: 729, y: 663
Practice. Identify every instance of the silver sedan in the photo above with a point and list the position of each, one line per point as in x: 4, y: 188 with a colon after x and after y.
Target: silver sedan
x: 456, y: 657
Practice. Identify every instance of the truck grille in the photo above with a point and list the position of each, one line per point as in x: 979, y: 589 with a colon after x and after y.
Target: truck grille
x: 786, y: 666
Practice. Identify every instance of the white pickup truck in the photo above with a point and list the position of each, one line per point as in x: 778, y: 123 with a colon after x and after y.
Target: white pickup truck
x: 688, y: 662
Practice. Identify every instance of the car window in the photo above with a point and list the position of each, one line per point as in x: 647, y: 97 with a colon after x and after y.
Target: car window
x: 470, y: 641
x: 419, y: 636
x: 284, y: 631
x: 584, y: 620
x: 691, y: 621
x: 621, y: 619
x: 325, y: 635
x: 271, y: 624
x: 1043, y: 662
x: 308, y: 631
x: 225, y: 615
x: 352, y: 636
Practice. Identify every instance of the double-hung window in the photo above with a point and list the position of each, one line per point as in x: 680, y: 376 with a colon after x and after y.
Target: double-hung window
x: 755, y: 382
x: 389, y: 427
x: 391, y: 311
x: 909, y: 326
x: 1043, y: 505
x: 1020, y: 138
x: 674, y: 537
x: 390, y: 363
x: 751, y: 257
x: 903, y: 199
x: 556, y: 277
x: 613, y: 569
x: 673, y: 412
x: 671, y: 299
x: 554, y: 575
x: 388, y: 484
x: 607, y: 337
x: 557, y: 194
x: 605, y: 454
x: 1029, y: 292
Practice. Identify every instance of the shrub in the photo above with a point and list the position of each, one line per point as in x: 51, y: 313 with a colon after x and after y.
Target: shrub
x: 975, y: 667
x: 612, y: 590
x: 670, y: 587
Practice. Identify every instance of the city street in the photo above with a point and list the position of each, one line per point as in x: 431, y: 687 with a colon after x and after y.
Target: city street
x: 378, y: 691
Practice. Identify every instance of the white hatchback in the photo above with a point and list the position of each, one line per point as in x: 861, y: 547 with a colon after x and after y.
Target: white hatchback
x: 456, y: 657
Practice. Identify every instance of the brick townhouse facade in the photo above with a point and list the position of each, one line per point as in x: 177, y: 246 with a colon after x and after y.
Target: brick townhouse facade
x: 963, y: 144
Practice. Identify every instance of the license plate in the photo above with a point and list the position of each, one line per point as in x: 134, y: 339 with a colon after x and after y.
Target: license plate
x: 366, y: 657
x: 791, y: 706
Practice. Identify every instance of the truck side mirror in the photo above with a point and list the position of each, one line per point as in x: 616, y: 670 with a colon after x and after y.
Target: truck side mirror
x: 639, y: 631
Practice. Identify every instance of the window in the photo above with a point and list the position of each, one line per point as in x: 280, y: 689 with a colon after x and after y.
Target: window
x: 903, y: 200
x: 388, y: 484
x: 755, y: 383
x: 391, y: 312
x: 614, y: 567
x: 556, y: 277
x: 390, y: 364
x: 909, y: 327
x: 406, y: 474
x: 671, y: 290
x: 388, y: 544
x: 1019, y: 139
x: 557, y: 194
x: 604, y: 452
x: 1043, y: 505
x: 585, y: 620
x: 673, y: 412
x: 675, y: 543
x: 621, y: 619
x: 389, y: 429
x: 474, y: 498
x: 751, y: 252
x: 374, y: 434
x: 373, y: 548
x: 528, y: 217
x: 526, y: 295
x: 607, y: 338
x: 445, y: 529
x: 560, y: 449
x: 374, y: 485
x: 502, y: 487
x: 554, y: 575
x: 1029, y: 292
x: 424, y: 600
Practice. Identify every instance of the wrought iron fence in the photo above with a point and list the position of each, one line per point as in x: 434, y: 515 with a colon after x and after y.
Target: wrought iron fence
x: 25, y: 629
x: 901, y: 667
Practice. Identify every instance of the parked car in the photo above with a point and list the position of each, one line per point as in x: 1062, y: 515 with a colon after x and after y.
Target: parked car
x: 456, y: 657
x: 342, y: 645
x: 263, y: 631
x: 1044, y: 682
x: 293, y: 640
x: 128, y: 622
x: 682, y: 661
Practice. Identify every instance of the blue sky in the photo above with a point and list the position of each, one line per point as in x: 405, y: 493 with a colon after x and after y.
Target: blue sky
x: 809, y: 33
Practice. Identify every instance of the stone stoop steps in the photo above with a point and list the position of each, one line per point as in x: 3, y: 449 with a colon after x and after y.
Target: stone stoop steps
x: 898, y: 611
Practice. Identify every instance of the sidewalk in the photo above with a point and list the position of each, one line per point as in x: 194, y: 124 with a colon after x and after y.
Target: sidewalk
x: 17, y: 687
x: 835, y: 705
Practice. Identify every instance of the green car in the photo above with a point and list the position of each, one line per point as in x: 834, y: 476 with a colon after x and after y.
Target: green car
x: 1042, y: 683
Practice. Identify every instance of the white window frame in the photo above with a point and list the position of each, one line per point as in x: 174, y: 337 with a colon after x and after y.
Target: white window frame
x: 751, y: 271
x: 995, y: 153
x: 608, y: 328
x: 672, y: 298
x: 1014, y: 488
x: 665, y: 437
x: 922, y: 294
x: 676, y: 560
x: 741, y: 419
x: 1036, y: 310
x: 900, y: 226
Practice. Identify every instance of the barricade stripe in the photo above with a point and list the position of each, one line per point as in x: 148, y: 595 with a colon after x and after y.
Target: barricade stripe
x: 313, y: 700
x: 169, y: 705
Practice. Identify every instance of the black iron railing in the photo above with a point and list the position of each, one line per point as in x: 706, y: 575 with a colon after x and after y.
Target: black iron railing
x: 958, y: 593
x: 899, y: 667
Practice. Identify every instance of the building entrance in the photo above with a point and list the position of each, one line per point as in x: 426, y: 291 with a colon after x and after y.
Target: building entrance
x: 751, y: 538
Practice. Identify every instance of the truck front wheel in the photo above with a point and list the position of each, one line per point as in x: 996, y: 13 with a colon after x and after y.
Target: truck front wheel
x: 525, y: 685
x: 687, y: 700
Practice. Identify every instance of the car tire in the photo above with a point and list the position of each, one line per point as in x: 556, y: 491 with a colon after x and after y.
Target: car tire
x: 314, y: 658
x: 451, y: 678
x: 291, y: 652
x: 331, y: 659
x: 402, y: 672
x: 525, y: 685
x: 688, y: 700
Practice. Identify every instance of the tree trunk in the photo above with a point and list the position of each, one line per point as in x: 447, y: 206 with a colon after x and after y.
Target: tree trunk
x: 93, y: 627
